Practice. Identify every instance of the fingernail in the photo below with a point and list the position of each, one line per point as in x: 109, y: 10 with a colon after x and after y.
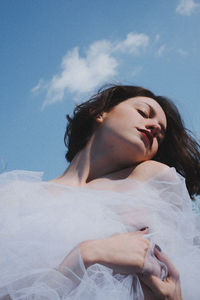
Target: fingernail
x: 144, y: 228
x: 158, y: 248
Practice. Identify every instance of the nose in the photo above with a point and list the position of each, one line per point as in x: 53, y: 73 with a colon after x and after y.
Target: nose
x: 154, y: 126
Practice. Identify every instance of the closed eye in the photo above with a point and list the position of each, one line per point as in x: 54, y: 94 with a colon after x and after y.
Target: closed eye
x: 143, y: 113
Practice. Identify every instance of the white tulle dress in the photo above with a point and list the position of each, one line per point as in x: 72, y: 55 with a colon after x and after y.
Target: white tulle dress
x: 42, y: 223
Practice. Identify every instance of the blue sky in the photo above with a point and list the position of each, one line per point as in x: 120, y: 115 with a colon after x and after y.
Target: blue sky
x: 57, y: 53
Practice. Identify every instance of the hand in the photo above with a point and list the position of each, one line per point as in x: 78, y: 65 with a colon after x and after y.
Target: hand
x: 125, y: 253
x: 169, y: 289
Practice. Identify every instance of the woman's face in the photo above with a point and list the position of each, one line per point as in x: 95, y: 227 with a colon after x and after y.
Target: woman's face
x: 134, y: 129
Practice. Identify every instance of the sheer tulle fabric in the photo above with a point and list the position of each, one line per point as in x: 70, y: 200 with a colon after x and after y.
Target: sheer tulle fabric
x: 41, y: 225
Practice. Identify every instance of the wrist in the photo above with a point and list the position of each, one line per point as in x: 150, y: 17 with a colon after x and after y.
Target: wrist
x: 91, y: 252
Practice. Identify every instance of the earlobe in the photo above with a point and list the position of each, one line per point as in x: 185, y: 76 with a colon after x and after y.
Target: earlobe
x: 100, y: 118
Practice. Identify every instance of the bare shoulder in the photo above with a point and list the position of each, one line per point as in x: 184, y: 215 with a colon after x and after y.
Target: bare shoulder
x: 148, y: 169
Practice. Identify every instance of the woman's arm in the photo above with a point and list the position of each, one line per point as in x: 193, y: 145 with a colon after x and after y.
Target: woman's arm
x: 125, y: 254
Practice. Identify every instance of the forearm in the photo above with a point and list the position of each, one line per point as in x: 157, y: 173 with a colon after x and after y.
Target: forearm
x: 124, y: 253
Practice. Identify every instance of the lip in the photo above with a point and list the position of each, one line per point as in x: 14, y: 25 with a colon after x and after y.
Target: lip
x: 148, y: 135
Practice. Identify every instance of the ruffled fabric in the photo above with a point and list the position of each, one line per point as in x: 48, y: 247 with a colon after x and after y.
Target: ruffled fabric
x: 42, y: 224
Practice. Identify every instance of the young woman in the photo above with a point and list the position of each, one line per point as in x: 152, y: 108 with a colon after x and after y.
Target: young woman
x: 96, y: 232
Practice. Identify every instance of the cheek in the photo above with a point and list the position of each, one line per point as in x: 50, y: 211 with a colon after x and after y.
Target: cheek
x: 125, y: 118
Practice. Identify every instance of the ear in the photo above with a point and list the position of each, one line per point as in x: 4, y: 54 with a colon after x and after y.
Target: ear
x: 100, y: 117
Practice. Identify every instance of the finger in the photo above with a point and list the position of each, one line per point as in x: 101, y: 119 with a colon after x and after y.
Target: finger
x: 173, y: 272
x: 153, y: 282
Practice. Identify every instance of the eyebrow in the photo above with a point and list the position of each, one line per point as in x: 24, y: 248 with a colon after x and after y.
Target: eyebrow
x: 153, y: 112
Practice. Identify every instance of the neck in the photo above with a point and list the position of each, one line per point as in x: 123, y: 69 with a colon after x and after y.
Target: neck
x: 92, y: 162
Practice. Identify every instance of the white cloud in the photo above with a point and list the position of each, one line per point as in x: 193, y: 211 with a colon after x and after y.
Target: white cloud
x: 133, y: 43
x: 161, y: 50
x: 82, y: 74
x: 187, y: 7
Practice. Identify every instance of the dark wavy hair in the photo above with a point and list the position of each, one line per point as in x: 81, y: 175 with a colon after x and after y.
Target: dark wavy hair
x: 179, y: 148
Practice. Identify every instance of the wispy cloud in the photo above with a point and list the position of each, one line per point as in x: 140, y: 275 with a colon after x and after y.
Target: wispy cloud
x: 82, y: 74
x: 182, y: 52
x: 161, y: 50
x: 36, y: 88
x: 187, y: 7
x: 165, y: 50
